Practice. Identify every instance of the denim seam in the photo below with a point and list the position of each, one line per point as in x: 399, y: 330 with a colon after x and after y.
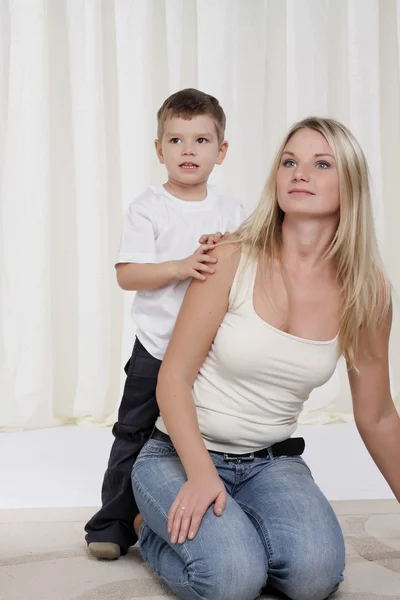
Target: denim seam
x: 297, y: 458
x: 163, y: 449
x: 150, y: 452
x: 174, y: 583
x: 249, y: 511
x: 161, y: 511
x: 162, y: 577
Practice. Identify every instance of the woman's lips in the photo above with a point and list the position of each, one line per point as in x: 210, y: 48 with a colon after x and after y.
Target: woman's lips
x: 301, y: 193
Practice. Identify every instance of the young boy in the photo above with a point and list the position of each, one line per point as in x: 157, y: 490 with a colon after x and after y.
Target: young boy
x: 158, y: 258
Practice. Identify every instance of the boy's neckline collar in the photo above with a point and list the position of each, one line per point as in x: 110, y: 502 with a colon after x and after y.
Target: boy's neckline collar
x: 190, y: 204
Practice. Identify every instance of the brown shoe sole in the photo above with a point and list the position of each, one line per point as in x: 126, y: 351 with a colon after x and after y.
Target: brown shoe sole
x: 105, y: 550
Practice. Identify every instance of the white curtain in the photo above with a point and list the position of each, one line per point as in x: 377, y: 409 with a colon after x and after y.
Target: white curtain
x: 80, y: 84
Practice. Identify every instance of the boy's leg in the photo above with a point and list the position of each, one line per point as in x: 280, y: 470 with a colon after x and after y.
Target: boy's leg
x: 137, y: 414
x: 225, y: 561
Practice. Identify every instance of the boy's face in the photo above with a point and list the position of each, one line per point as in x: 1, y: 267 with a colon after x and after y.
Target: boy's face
x: 190, y: 149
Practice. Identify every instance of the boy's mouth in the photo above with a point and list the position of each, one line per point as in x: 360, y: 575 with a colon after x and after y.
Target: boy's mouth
x: 189, y: 166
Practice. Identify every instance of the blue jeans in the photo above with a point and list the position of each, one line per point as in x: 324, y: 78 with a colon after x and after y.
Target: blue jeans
x: 277, y: 527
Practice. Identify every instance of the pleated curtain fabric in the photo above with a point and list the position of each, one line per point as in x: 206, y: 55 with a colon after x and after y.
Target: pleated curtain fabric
x: 80, y: 85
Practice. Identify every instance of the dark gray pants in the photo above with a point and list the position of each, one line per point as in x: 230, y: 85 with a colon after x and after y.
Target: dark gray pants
x: 137, y: 415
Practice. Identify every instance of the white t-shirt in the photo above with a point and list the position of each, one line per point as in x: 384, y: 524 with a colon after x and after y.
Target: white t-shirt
x: 159, y: 227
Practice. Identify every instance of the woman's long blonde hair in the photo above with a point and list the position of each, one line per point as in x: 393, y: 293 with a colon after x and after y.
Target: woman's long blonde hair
x: 365, y: 290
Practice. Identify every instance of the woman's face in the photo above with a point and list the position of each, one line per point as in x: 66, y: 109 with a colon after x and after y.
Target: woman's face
x: 307, y: 178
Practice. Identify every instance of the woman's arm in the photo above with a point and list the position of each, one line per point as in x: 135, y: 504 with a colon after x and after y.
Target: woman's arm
x: 202, y: 312
x: 375, y: 415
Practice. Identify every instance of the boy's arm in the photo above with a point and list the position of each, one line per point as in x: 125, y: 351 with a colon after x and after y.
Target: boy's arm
x: 149, y: 276
x: 136, y: 266
x: 137, y: 276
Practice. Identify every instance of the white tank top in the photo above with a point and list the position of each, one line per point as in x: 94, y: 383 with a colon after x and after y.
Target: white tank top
x: 255, y: 379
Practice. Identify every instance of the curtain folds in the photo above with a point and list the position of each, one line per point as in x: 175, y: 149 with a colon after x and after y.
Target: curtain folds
x: 80, y: 84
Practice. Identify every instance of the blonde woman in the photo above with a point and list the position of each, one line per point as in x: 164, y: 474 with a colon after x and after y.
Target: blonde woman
x: 227, y: 503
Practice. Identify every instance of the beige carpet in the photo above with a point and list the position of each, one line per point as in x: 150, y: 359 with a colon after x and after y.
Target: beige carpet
x: 43, y: 557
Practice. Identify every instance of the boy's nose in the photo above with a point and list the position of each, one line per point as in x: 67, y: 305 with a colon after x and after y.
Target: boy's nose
x: 188, y: 151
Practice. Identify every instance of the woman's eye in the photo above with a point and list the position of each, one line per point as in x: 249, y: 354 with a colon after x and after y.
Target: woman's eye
x: 323, y: 165
x: 202, y: 140
x: 289, y: 163
x: 175, y: 140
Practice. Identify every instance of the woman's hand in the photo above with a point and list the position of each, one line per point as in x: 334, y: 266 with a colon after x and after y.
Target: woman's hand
x: 191, y: 504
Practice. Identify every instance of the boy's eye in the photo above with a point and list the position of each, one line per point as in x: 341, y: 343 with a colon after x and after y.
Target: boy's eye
x: 202, y: 140
x: 289, y: 163
x: 175, y: 140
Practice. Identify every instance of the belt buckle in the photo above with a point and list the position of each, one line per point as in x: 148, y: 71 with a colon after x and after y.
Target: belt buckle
x: 238, y: 459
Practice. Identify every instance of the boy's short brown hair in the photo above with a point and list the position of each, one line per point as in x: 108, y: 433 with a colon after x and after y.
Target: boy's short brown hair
x: 189, y: 103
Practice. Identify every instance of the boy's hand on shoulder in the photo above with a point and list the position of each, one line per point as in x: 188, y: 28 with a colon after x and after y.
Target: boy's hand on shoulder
x: 195, y: 265
x: 212, y: 238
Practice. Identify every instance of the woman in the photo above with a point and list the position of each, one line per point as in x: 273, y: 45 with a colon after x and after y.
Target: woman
x: 227, y: 501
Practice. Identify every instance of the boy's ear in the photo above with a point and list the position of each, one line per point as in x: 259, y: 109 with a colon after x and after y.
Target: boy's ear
x: 159, y: 151
x: 223, y: 149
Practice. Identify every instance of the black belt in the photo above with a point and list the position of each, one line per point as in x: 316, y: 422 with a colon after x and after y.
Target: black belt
x: 289, y: 447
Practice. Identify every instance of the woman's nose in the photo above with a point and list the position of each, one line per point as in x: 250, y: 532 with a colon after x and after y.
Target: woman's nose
x: 300, y: 174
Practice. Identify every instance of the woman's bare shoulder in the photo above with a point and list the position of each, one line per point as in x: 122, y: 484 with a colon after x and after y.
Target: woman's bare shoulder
x: 229, y: 251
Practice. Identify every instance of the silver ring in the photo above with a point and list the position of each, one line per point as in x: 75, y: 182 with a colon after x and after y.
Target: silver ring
x: 182, y: 508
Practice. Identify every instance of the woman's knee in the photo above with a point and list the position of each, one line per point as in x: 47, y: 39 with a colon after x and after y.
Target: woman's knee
x: 319, y: 589
x: 314, y: 576
x: 229, y: 574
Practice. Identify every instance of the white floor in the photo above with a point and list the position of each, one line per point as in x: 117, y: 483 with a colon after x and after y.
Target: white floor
x: 64, y: 466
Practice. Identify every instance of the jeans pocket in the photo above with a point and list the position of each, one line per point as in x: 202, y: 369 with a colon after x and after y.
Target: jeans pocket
x: 218, y: 459
x: 154, y: 448
x: 294, y: 459
x: 143, y: 366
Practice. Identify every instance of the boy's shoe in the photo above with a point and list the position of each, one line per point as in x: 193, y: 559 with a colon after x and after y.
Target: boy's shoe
x: 104, y: 550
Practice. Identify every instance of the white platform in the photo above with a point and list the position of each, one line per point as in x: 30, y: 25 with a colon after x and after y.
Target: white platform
x: 65, y: 466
